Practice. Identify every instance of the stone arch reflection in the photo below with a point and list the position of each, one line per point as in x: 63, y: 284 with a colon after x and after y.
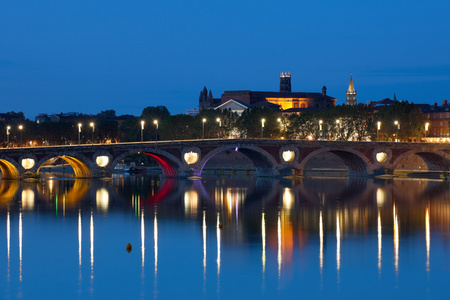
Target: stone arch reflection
x: 72, y: 192
x: 8, y: 191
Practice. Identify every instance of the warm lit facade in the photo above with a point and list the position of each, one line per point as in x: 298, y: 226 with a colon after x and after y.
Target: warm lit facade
x: 438, y: 124
x: 284, y: 99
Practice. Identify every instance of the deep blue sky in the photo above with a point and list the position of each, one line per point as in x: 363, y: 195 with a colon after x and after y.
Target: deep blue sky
x: 88, y: 56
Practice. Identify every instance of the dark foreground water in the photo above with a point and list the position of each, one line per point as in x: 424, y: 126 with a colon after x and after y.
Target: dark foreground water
x: 226, y: 238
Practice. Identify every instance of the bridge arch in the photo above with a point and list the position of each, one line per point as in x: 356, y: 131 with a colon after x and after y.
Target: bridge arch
x: 356, y: 163
x: 264, y: 162
x: 435, y: 160
x: 80, y: 165
x: 168, y: 163
x: 9, y: 167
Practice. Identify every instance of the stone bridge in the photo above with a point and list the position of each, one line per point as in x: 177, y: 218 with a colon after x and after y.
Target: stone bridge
x: 188, y: 158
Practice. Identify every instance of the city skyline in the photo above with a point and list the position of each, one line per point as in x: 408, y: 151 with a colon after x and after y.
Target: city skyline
x: 88, y: 57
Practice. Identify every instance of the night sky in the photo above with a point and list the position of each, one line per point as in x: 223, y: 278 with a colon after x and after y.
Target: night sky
x: 88, y: 56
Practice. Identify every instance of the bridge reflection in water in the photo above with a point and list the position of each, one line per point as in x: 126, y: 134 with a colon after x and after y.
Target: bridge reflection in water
x: 284, y: 217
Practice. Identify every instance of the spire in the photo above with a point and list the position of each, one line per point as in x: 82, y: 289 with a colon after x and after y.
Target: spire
x: 395, y: 98
x: 351, y: 93
x: 351, y: 88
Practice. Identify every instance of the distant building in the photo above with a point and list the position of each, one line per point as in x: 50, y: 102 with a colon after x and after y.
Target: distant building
x: 351, y: 93
x: 236, y: 106
x: 192, y: 112
x: 439, y: 117
x: 206, y: 101
x: 284, y: 100
x: 42, y: 118
x: 376, y: 105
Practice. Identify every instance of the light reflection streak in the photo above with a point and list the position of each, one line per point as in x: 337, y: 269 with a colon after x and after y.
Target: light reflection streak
x: 263, y: 236
x: 91, y: 231
x: 8, y: 240
x: 396, y: 239
x: 379, y: 241
x: 204, y: 243
x: 218, y: 253
x: 218, y: 244
x: 155, y: 240
x: 321, y: 241
x: 427, y: 237
x: 27, y: 199
x: 79, y: 237
x: 338, y: 242
x: 288, y: 199
x: 279, y: 245
x: 142, y: 241
x: 20, y: 245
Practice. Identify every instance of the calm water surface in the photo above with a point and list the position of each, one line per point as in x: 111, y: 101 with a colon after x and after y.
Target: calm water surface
x: 225, y: 237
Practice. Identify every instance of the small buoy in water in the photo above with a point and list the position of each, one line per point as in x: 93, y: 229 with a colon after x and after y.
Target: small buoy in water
x: 220, y: 226
x: 128, y: 247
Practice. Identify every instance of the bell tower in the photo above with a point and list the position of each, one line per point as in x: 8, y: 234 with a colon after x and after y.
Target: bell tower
x: 285, y: 82
x: 351, y: 93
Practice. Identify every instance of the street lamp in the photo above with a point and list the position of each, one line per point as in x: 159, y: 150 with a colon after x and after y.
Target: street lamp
x: 79, y: 132
x: 338, y: 127
x: 20, y: 128
x: 220, y: 125
x: 142, y: 130
x: 93, y: 128
x: 398, y: 128
x: 281, y: 126
x: 7, y: 135
x: 156, y: 124
x: 203, y: 128
x: 426, y: 129
x: 320, y: 127
x: 262, y: 127
x: 378, y: 129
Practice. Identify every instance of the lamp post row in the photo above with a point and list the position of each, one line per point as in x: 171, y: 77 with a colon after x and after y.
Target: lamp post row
x: 218, y: 120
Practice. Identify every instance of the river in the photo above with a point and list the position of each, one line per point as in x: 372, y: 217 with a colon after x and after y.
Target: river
x: 224, y: 237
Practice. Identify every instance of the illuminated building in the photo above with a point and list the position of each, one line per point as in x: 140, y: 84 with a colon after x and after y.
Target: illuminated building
x: 284, y: 100
x: 439, y: 118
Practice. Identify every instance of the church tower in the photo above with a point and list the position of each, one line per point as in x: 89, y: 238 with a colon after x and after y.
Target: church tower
x: 351, y: 93
x: 285, y: 82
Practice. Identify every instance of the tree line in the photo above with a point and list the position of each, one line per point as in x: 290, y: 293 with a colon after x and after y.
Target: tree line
x: 343, y: 123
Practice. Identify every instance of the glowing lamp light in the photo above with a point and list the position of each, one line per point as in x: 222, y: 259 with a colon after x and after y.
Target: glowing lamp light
x: 381, y: 197
x: 28, y: 199
x: 381, y: 156
x: 102, y: 199
x: 102, y: 161
x: 288, y: 155
x: 191, y: 157
x: 27, y: 163
x: 190, y: 202
x: 288, y: 199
